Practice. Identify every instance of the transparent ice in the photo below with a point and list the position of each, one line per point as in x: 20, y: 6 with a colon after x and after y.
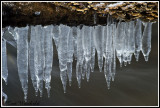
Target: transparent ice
x: 146, y: 40
x: 22, y: 57
x: 4, y: 61
x: 35, y: 50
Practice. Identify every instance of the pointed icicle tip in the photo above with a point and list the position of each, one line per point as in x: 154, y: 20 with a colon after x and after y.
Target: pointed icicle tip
x: 108, y: 85
x: 129, y: 62
x: 113, y: 79
x: 121, y: 64
x: 100, y: 69
x: 87, y: 80
x: 70, y: 83
x: 146, y: 58
x: 137, y: 59
x: 64, y: 89
x: 48, y: 92
x: 125, y: 63
x: 25, y: 98
x: 79, y: 85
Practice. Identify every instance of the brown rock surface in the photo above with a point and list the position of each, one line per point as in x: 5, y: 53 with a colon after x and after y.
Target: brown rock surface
x: 75, y: 13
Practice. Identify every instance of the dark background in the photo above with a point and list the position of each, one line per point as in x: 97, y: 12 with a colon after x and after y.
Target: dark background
x: 134, y: 85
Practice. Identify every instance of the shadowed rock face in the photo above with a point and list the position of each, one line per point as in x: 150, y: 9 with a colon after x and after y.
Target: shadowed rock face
x: 75, y: 13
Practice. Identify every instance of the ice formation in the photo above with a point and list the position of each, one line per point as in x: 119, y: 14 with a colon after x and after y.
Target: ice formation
x: 22, y: 57
x: 35, y: 50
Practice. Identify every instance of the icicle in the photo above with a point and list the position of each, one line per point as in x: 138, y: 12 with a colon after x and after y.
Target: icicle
x: 69, y: 72
x: 39, y: 57
x: 56, y: 34
x: 10, y: 36
x: 80, y: 55
x: 84, y: 68
x: 105, y: 31
x: 131, y: 40
x: 70, y: 50
x: 32, y: 59
x: 75, y: 41
x: 22, y: 57
x: 119, y: 42
x: 4, y: 62
x: 48, y: 50
x: 88, y: 71
x: 86, y: 42
x: 81, y: 42
x: 146, y: 40
x: 138, y: 38
x: 63, y: 75
x: 78, y: 73
x: 62, y: 52
x: 126, y: 44
x: 5, y: 97
x: 98, y: 38
x: 92, y: 51
x: 108, y: 56
x: 113, y: 53
x: 107, y: 71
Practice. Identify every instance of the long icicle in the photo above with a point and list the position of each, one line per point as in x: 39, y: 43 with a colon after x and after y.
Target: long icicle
x: 62, y: 52
x: 70, y: 51
x: 22, y: 57
x: 32, y: 61
x: 48, y: 51
x: 146, y: 40
x: 4, y: 61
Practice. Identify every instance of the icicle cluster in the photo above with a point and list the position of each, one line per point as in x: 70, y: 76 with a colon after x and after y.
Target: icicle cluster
x: 35, y: 50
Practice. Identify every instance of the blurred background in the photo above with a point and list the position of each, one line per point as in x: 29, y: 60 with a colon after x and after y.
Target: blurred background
x: 134, y: 85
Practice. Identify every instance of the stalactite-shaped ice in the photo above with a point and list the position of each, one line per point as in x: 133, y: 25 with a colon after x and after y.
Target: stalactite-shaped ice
x: 69, y: 72
x: 84, y: 69
x: 62, y: 52
x: 70, y: 51
x: 40, y: 56
x: 78, y: 73
x: 92, y: 51
x: 131, y: 40
x: 22, y: 57
x: 10, y: 36
x: 32, y: 59
x: 88, y: 71
x: 146, y: 40
x: 105, y: 40
x: 98, y: 38
x: 80, y: 56
x: 82, y: 42
x: 138, y: 38
x: 74, y: 31
x: 48, y: 51
x: 86, y: 42
x: 56, y: 34
x: 119, y: 42
x: 108, y: 55
x: 4, y: 61
x: 5, y: 97
x: 113, y: 53
x: 126, y: 44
